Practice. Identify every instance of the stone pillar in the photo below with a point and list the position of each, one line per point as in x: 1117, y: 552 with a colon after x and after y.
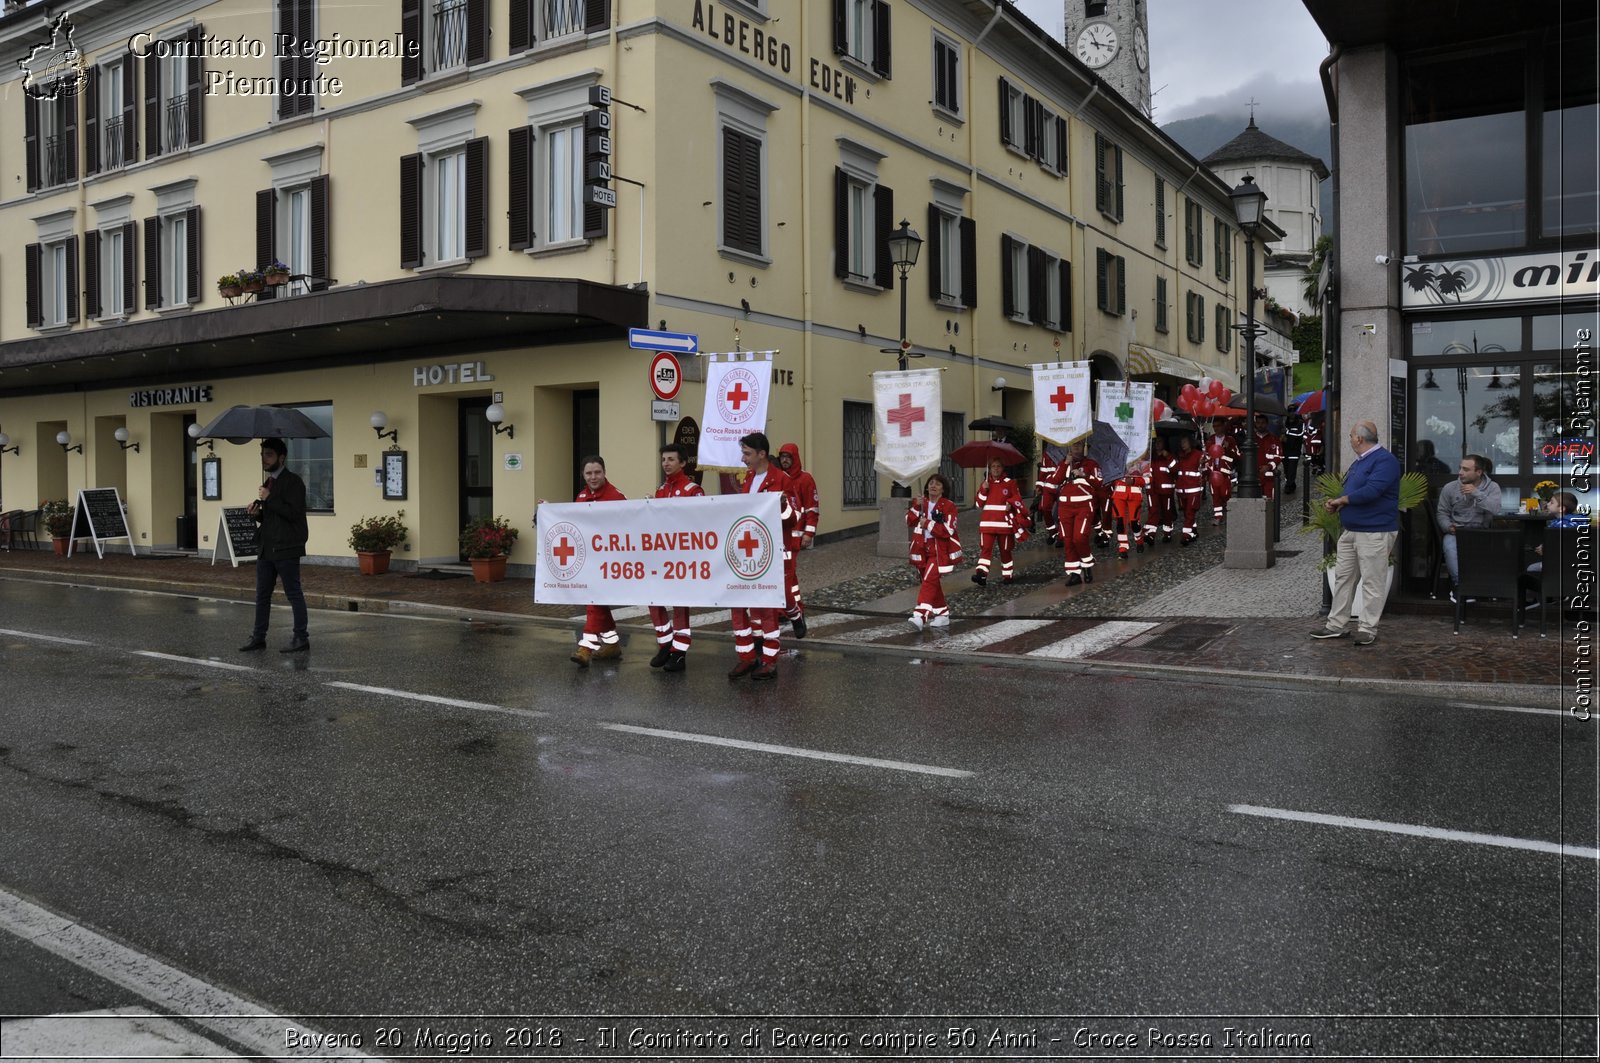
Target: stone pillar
x: 892, y: 535
x: 1249, y: 534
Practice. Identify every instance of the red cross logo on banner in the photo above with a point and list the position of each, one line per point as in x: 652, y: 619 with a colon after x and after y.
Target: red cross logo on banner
x: 564, y: 551
x: 738, y: 396
x: 1060, y: 399
x: 905, y: 415
x: 749, y: 544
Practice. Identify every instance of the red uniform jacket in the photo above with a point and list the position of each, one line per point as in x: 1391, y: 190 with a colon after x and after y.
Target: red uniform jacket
x: 1163, y: 474
x: 776, y: 481
x: 1188, y: 468
x: 934, y: 540
x: 805, y: 495
x: 679, y: 486
x: 1269, y: 453
x: 1074, y: 483
x: 1001, y: 502
x: 607, y: 493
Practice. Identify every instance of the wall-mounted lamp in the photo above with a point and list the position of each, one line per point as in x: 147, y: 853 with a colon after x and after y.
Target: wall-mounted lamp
x: 380, y: 421
x: 121, y: 436
x: 1387, y: 259
x: 194, y: 433
x: 999, y: 384
x: 494, y: 415
x: 6, y: 447
x: 65, y: 438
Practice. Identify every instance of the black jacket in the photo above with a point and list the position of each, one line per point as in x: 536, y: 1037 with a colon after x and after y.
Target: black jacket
x: 283, y: 519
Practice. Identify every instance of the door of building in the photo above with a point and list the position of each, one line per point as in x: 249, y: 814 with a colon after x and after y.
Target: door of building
x: 585, y: 432
x: 475, y: 445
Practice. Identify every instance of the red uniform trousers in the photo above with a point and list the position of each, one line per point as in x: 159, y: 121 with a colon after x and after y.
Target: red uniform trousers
x: 1127, y: 500
x: 1221, y: 491
x: 672, y: 627
x: 1076, y: 526
x: 1160, y: 512
x: 930, y: 595
x: 794, y: 606
x: 1189, y: 502
x: 752, y: 625
x: 988, y: 542
x: 598, y: 628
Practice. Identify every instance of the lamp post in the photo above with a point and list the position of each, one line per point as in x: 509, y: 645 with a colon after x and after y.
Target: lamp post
x: 1248, y: 201
x: 904, y: 244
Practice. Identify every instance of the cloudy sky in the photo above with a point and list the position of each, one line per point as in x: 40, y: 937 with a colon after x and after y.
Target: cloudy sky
x: 1211, y: 55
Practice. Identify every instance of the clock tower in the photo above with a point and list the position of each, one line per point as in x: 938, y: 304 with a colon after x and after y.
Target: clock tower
x: 1111, y: 37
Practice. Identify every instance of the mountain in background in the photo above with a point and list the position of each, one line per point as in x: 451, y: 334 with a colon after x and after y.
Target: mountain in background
x: 1203, y: 134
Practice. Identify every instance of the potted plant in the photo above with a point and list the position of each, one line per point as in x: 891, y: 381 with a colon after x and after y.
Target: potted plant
x: 374, y: 539
x: 277, y: 273
x: 1413, y: 492
x: 56, y: 516
x: 485, y: 541
x: 253, y: 280
x: 230, y: 286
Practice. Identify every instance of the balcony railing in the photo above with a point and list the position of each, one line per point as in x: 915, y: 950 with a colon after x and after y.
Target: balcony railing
x: 175, y: 130
x: 54, y: 163
x: 111, y: 155
x: 562, y: 17
x: 449, y: 34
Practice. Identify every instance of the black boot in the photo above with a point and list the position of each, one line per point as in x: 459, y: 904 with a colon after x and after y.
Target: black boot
x: 663, y: 654
x: 676, y: 662
x: 980, y: 578
x: 1088, y: 575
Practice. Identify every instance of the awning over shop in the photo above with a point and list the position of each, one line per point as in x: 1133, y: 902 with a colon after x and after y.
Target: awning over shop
x: 1148, y: 361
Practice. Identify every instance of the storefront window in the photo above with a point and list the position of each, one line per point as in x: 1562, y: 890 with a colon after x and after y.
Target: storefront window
x: 312, y: 459
x: 1470, y: 411
x: 1465, y: 146
x: 1571, y: 118
x: 1493, y: 335
x: 1565, y: 331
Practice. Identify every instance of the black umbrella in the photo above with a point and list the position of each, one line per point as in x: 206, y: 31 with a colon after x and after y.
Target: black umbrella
x: 1264, y: 403
x: 990, y: 424
x: 241, y: 424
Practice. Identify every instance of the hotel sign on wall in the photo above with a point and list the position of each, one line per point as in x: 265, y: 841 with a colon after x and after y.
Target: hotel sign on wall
x: 739, y: 34
x: 1545, y: 277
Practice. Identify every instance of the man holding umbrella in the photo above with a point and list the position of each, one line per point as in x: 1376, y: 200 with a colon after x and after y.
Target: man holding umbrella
x: 280, y: 510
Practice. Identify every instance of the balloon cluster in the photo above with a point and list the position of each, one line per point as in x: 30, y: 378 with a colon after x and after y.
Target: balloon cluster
x: 1205, y: 399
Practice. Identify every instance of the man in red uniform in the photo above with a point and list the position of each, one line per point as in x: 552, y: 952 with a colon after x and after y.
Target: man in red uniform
x: 1000, y: 500
x: 1189, y: 475
x: 1269, y: 455
x: 808, y: 508
x: 763, y: 476
x: 1070, y: 495
x: 1221, y: 449
x: 673, y: 633
x: 1163, y: 480
x: 600, y: 640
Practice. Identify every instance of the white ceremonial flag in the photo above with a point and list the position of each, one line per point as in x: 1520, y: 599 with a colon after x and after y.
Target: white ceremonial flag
x: 1061, y: 411
x: 736, y: 405
x: 906, y: 409
x: 1126, y: 408
x: 715, y: 550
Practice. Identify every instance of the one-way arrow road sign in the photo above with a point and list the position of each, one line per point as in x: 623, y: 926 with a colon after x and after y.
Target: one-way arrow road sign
x: 641, y: 339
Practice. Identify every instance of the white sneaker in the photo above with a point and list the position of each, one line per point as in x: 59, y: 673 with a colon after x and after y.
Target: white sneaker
x: 915, y: 619
x: 940, y: 621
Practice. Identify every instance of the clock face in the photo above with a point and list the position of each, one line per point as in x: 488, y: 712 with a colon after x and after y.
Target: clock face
x: 1141, y: 49
x: 1097, y: 44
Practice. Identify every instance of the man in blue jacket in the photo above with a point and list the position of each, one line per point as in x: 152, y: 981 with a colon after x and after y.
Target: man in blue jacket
x: 1369, y: 509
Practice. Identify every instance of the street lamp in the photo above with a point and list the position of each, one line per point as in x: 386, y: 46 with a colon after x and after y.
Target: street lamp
x: 904, y: 244
x: 1248, y: 202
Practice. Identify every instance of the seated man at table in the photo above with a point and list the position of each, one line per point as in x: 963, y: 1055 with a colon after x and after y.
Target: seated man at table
x: 1472, y: 500
x: 1560, y: 511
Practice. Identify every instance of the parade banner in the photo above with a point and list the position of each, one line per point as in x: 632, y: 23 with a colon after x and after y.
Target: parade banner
x: 1061, y: 410
x: 1125, y: 406
x: 717, y: 550
x: 736, y: 405
x: 906, y: 407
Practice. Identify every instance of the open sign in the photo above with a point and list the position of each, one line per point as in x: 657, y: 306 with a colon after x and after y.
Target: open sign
x: 666, y: 375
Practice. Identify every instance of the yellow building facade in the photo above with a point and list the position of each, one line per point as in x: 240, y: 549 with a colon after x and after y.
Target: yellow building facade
x: 475, y: 200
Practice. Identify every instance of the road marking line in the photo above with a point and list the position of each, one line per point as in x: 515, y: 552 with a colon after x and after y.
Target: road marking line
x: 44, y: 638
x: 791, y: 751
x: 872, y: 634
x: 109, y: 1033
x: 1508, y: 708
x: 716, y: 616
x: 987, y: 636
x: 1100, y: 637
x: 168, y: 988
x: 434, y: 699
x: 1531, y: 844
x: 193, y: 660
x: 826, y: 620
x: 632, y: 612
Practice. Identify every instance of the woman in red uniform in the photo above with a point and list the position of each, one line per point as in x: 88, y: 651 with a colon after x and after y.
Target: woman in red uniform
x: 935, y: 549
x: 1000, y: 500
x: 600, y: 640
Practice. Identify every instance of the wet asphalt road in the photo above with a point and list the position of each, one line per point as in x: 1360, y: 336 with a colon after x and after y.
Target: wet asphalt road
x: 1017, y: 843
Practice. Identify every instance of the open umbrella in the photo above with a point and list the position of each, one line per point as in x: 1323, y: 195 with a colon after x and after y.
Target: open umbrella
x: 1264, y: 404
x: 241, y: 424
x: 1312, y: 403
x: 978, y: 455
x: 990, y: 424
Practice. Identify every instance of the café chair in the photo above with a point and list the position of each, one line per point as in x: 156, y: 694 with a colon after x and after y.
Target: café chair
x: 8, y: 524
x: 1557, y: 582
x: 1491, y: 565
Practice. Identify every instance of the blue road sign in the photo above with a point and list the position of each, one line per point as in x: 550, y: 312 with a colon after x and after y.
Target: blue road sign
x: 642, y: 339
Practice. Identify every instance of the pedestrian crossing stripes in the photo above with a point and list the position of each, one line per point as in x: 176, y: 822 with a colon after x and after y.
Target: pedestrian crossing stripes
x: 1084, y: 643
x: 991, y: 634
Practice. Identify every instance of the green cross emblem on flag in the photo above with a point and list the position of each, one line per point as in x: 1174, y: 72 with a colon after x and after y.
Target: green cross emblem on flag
x: 1124, y: 411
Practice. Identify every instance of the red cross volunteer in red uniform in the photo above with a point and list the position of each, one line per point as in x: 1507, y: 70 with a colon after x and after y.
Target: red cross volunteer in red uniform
x: 1189, y: 471
x: 600, y: 640
x: 763, y: 476
x: 1221, y: 450
x: 1163, y: 482
x: 798, y: 538
x: 1070, y: 494
x: 673, y: 633
x: 935, y: 549
x: 1000, y: 500
x: 1269, y: 456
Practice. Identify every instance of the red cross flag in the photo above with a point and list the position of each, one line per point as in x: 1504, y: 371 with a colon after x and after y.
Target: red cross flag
x: 907, y: 413
x: 1125, y: 407
x: 1061, y: 402
x: 736, y: 405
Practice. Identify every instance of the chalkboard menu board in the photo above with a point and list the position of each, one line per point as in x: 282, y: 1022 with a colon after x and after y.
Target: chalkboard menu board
x: 1397, y: 419
x: 99, y: 516
x: 236, y: 531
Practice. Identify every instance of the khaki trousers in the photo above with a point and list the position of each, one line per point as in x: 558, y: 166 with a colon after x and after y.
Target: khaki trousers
x: 1364, y: 558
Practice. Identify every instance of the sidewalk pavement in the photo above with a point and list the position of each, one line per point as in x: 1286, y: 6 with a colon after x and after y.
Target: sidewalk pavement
x: 1219, y: 625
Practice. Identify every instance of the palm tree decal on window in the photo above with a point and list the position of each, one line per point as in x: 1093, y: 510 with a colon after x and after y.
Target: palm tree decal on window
x: 1443, y: 284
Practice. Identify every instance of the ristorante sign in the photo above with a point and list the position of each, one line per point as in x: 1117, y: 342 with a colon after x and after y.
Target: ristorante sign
x: 1546, y: 277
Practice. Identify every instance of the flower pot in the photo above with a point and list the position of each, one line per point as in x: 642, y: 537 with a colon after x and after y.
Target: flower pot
x: 373, y: 562
x: 275, y: 279
x: 489, y: 569
x: 60, y: 543
x: 254, y: 286
x: 231, y: 291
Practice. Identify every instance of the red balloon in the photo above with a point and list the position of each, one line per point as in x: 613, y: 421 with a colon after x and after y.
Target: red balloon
x: 1225, y: 398
x: 1158, y: 410
x: 1205, y: 407
x: 1188, y: 391
x: 1215, y: 390
x: 1185, y: 403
